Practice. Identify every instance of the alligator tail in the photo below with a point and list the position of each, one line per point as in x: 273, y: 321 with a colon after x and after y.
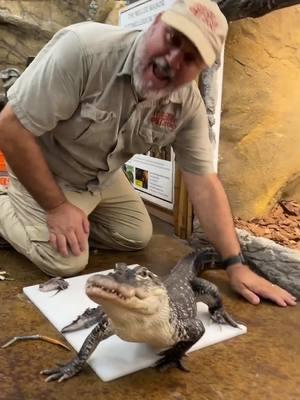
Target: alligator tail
x: 207, y: 259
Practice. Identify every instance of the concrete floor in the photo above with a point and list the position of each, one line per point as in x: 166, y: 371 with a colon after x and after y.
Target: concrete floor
x: 263, y: 364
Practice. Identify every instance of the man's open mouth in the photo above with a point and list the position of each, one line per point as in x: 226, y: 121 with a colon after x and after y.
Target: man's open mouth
x: 162, y: 70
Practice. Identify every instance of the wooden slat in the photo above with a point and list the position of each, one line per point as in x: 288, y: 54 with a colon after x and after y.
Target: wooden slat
x: 183, y: 213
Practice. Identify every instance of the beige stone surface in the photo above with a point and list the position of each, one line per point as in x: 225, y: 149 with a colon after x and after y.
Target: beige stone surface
x: 113, y: 16
x: 104, y: 9
x: 260, y: 133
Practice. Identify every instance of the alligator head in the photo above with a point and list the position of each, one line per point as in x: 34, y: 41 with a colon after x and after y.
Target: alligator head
x: 136, y: 289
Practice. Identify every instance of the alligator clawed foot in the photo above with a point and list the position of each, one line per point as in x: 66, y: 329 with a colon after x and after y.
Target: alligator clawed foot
x: 60, y: 373
x: 164, y: 364
x: 170, y: 360
x: 54, y: 374
x: 222, y: 317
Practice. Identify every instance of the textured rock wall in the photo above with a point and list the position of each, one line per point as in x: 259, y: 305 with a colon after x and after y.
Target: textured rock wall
x: 260, y: 133
x: 25, y: 26
x: 50, y: 14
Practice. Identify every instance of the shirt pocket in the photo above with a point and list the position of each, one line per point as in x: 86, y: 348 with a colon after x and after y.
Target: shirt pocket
x: 92, y: 145
x: 100, y: 123
x: 139, y: 142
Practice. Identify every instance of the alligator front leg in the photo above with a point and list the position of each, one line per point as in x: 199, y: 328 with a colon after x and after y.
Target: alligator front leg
x: 209, y: 294
x: 101, y: 331
x: 89, y: 318
x: 189, y: 332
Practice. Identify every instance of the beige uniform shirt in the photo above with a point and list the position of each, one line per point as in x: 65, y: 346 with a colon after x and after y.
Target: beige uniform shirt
x: 76, y: 97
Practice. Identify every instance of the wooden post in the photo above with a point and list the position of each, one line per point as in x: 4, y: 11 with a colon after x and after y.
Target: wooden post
x: 183, y: 212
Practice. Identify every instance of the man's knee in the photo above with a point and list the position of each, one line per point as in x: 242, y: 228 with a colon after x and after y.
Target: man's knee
x: 54, y: 264
x: 136, y: 242
x: 134, y: 238
x: 124, y: 237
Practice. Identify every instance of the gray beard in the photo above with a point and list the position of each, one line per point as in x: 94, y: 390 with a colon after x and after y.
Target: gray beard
x: 144, y: 89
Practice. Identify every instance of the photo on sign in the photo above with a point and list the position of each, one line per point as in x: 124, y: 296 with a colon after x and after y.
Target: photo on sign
x: 141, y: 178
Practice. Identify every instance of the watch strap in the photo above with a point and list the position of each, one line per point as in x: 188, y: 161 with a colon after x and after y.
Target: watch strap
x: 238, y: 259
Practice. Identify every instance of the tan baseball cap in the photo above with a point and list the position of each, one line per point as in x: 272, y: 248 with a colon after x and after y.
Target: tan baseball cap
x: 202, y: 22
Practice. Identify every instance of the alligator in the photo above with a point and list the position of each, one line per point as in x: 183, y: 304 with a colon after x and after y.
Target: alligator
x: 138, y: 306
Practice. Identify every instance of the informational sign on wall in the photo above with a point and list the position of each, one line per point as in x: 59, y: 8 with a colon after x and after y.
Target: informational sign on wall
x: 153, y: 178
x: 141, y: 13
x: 153, y: 175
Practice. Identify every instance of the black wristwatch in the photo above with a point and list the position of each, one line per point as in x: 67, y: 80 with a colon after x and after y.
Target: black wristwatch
x: 238, y: 259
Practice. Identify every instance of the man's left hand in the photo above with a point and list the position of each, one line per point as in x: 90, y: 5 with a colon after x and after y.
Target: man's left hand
x: 253, y: 287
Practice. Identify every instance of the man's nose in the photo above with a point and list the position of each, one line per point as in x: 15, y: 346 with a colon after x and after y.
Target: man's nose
x: 175, y: 58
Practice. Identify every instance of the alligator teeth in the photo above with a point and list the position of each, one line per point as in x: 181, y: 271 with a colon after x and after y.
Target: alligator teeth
x: 113, y: 291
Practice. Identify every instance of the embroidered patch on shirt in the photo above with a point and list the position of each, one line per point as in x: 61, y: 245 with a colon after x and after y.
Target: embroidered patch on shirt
x: 164, y: 119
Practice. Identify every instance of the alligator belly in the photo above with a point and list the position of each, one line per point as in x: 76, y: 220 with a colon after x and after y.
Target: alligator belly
x: 157, y: 338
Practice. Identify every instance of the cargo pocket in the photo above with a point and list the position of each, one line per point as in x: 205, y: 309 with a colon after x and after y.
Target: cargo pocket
x: 38, y: 233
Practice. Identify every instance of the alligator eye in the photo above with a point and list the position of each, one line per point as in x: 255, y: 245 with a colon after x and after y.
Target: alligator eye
x: 144, y: 274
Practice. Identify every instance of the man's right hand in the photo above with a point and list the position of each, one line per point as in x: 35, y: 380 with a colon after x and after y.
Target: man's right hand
x: 68, y: 229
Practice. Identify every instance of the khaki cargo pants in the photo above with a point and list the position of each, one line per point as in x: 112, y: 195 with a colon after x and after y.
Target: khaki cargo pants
x: 118, y: 220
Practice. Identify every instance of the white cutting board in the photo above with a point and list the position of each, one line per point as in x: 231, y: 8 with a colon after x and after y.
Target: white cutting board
x: 114, y: 357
